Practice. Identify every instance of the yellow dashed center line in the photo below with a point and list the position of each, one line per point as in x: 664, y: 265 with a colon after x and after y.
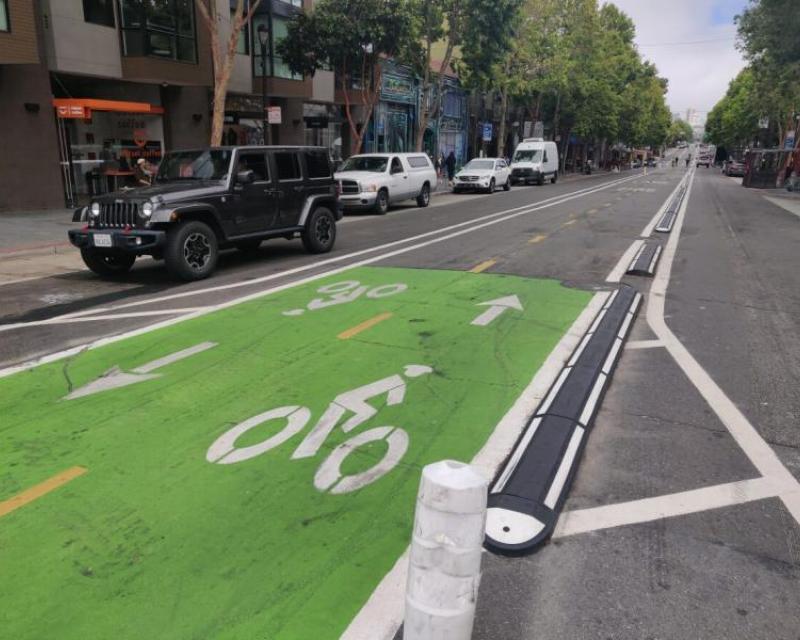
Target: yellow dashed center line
x: 483, y: 266
x: 367, y: 324
x: 37, y: 491
x: 537, y: 238
x: 591, y: 211
x: 569, y: 223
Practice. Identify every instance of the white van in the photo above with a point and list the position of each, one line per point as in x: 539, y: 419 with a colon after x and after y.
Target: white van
x: 534, y: 161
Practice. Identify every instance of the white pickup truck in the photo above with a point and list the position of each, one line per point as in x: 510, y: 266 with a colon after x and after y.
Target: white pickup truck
x: 375, y: 180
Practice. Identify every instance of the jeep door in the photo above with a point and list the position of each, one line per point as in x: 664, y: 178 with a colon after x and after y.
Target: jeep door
x: 255, y: 206
x: 290, y: 186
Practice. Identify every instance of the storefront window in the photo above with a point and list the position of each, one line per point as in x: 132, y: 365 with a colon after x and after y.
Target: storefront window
x: 4, y: 25
x: 159, y: 28
x: 99, y: 12
x: 275, y: 66
x: 102, y: 152
x: 243, y: 42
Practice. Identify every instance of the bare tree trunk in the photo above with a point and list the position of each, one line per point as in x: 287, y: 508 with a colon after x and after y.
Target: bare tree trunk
x: 223, y: 62
x: 501, y: 132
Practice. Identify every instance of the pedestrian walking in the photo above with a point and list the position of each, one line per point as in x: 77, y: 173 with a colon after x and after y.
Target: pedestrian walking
x: 450, y: 163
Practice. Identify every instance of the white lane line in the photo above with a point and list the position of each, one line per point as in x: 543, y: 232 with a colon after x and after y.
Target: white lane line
x: 676, y: 504
x: 746, y: 435
x: 644, y: 344
x: 516, y: 211
x: 382, y: 614
x: 516, y: 455
x: 622, y: 266
x: 118, y: 316
x: 265, y: 292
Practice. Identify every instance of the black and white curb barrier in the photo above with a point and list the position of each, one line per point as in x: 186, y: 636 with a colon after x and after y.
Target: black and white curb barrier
x: 444, y: 566
x: 644, y: 262
x: 668, y: 219
x: 528, y: 494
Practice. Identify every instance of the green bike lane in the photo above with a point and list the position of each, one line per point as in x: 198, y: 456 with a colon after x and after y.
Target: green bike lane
x: 252, y: 473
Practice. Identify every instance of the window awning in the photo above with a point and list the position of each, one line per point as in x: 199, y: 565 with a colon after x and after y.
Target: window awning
x: 83, y: 107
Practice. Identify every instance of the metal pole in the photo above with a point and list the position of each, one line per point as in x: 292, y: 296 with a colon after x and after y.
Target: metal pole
x: 265, y: 118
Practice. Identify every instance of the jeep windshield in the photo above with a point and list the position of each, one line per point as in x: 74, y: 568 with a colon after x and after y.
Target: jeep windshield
x: 528, y: 155
x: 204, y: 164
x: 365, y: 163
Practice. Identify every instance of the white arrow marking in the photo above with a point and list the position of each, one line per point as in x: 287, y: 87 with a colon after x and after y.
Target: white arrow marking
x: 496, y: 308
x: 115, y: 378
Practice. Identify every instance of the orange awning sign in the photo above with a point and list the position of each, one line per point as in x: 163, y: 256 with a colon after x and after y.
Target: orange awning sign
x: 83, y: 107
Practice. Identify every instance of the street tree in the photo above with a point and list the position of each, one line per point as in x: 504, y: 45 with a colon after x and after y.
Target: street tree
x: 437, y: 22
x: 350, y: 37
x: 768, y: 38
x: 223, y: 55
x: 680, y: 131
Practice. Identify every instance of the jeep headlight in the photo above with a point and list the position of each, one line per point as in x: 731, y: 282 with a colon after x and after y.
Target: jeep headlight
x: 147, y: 209
x: 95, y: 209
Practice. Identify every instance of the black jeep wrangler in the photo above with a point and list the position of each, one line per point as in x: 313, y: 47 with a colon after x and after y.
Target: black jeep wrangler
x: 205, y: 200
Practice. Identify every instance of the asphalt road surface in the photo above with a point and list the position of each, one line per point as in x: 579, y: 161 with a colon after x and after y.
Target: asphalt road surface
x: 682, y: 521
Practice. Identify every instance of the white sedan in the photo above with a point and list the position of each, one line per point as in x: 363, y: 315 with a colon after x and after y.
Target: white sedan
x: 483, y: 174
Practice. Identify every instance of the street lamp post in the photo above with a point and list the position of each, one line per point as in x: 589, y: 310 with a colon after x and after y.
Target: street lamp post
x: 263, y: 39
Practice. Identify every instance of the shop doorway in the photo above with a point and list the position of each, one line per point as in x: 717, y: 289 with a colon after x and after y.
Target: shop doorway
x: 100, y: 143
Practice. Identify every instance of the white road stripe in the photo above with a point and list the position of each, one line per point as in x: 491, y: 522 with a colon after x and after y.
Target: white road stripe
x: 382, y: 614
x: 644, y: 344
x: 117, y: 316
x: 513, y: 461
x: 676, y: 504
x: 622, y: 266
x: 591, y: 401
x: 746, y: 435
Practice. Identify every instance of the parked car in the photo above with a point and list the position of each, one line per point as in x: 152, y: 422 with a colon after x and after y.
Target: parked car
x: 534, y: 161
x: 204, y: 200
x: 733, y: 168
x: 652, y: 162
x: 373, y: 181
x: 483, y: 174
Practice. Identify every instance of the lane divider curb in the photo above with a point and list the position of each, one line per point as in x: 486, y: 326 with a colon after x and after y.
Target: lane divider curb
x: 668, y: 219
x: 528, y: 494
x: 645, y: 260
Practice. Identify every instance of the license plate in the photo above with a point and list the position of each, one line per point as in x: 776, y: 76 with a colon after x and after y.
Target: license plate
x: 102, y: 240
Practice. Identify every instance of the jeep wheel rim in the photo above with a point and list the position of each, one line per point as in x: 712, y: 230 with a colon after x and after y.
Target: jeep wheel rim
x: 323, y: 230
x: 197, y: 250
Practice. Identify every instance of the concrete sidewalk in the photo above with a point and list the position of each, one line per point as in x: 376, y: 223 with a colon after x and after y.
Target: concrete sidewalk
x: 34, y: 232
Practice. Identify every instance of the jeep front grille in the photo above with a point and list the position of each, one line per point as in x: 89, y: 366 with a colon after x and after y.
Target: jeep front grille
x: 119, y: 214
x: 350, y: 187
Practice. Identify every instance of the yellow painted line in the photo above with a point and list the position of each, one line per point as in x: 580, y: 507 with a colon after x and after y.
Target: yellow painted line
x: 483, y: 266
x: 537, y: 238
x: 591, y: 211
x: 568, y: 223
x: 367, y: 324
x: 37, y: 491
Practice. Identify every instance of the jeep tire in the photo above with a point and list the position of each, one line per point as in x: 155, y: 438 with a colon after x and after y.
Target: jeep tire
x: 319, y: 234
x: 191, y: 251
x: 108, y: 263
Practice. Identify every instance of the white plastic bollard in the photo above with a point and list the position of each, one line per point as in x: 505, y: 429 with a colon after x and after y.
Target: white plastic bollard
x: 444, y: 568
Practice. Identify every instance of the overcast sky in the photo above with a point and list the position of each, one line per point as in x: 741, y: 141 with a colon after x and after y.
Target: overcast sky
x: 698, y: 74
